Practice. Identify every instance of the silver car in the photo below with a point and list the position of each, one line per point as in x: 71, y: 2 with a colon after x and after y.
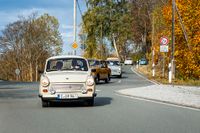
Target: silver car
x: 115, y: 66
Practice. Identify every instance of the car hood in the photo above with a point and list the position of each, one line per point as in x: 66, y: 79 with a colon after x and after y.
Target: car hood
x: 70, y: 77
x: 114, y: 67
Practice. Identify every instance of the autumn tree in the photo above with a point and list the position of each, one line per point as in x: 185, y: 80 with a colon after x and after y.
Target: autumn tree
x: 187, y: 52
x: 26, y: 43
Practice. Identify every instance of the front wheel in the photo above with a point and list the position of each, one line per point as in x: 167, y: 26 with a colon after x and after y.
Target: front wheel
x: 90, y: 102
x: 120, y: 76
x: 45, y: 103
x: 107, y: 79
x: 97, y: 79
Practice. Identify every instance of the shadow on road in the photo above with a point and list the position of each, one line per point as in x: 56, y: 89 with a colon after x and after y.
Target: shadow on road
x: 99, y: 101
x: 102, y: 101
x: 123, y: 77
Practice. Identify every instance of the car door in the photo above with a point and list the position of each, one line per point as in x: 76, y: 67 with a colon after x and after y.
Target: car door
x: 104, y: 69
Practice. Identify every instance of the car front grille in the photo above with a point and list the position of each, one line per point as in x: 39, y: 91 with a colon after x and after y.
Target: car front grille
x: 67, y: 87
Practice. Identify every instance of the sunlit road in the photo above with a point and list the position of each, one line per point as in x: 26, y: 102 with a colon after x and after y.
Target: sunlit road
x: 21, y: 112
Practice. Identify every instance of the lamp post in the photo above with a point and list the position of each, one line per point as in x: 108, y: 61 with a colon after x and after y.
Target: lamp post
x: 74, y: 51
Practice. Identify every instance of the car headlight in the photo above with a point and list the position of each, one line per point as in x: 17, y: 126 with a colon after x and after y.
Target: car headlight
x: 45, y: 82
x: 119, y: 69
x: 90, y: 81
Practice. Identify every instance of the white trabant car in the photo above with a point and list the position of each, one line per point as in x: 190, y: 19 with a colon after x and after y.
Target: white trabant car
x: 115, y: 66
x: 66, y: 78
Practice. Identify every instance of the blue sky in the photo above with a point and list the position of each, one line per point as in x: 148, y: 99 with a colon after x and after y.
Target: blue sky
x: 61, y: 9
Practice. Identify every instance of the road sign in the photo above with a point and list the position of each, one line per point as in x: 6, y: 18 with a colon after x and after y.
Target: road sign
x: 74, y: 45
x: 164, y: 40
x: 164, y: 48
x: 17, y: 71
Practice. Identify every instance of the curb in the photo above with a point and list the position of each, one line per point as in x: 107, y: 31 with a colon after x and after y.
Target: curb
x: 144, y: 77
x: 159, y: 101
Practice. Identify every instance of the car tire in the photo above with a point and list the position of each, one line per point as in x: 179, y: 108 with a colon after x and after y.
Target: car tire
x: 45, y: 103
x: 90, y: 102
x: 107, y: 79
x: 97, y: 79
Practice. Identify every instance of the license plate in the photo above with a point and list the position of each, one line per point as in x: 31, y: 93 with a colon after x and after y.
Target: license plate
x: 67, y: 96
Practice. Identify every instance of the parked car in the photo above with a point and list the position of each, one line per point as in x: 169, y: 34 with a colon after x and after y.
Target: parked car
x: 143, y: 61
x: 100, y: 70
x: 66, y: 78
x: 128, y: 61
x: 115, y: 66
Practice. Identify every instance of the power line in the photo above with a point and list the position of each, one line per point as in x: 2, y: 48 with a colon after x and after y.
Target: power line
x: 80, y: 10
x: 81, y: 13
x: 86, y: 3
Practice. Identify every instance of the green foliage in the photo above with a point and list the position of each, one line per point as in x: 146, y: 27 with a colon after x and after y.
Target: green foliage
x: 103, y: 20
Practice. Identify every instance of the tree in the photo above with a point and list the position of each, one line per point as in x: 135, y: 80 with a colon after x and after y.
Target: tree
x: 187, y: 55
x: 142, y: 22
x: 187, y: 58
x: 103, y: 20
x: 27, y: 43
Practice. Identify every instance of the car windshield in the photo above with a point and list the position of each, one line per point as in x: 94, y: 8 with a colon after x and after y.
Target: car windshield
x: 143, y: 59
x: 113, y: 63
x: 67, y: 64
x: 93, y: 62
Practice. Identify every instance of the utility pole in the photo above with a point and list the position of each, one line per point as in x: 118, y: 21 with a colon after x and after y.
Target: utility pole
x: 153, y: 51
x: 171, y: 66
x: 74, y: 51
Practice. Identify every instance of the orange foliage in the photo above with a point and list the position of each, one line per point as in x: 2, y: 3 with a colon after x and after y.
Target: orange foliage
x: 187, y: 60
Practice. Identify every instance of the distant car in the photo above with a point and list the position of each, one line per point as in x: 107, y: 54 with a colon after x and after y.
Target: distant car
x: 115, y: 66
x: 143, y: 61
x: 128, y: 62
x: 100, y: 70
x: 66, y: 78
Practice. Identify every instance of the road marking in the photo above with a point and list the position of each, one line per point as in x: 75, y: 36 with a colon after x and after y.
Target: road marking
x: 98, y: 90
x: 157, y: 102
x: 119, y: 81
x: 143, y: 76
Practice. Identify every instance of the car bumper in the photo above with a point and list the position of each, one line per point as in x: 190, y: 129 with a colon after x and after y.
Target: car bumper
x: 55, y: 97
x: 116, y: 73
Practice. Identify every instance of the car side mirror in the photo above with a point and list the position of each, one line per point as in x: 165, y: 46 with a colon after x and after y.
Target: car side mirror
x: 40, y: 71
x: 93, y: 70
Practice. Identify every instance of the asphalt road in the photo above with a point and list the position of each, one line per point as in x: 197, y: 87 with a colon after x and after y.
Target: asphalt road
x: 21, y: 112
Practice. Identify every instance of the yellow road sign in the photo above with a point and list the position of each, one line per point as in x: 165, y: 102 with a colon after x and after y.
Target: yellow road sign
x: 74, y: 45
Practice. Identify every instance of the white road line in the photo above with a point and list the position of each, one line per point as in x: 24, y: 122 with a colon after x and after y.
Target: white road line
x: 119, y: 81
x: 143, y: 76
x: 157, y: 102
x: 98, y: 90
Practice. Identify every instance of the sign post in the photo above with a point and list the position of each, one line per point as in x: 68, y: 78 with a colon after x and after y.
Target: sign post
x: 17, y: 72
x: 164, y: 44
x: 164, y: 41
x: 75, y: 46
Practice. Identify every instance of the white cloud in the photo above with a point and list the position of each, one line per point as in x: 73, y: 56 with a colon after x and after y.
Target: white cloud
x: 64, y: 26
x: 67, y: 34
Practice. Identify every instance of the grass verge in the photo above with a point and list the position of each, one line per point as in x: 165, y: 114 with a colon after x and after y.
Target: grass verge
x: 159, y: 77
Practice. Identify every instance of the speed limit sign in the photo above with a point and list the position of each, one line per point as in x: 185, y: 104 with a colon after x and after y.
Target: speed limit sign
x: 164, y: 40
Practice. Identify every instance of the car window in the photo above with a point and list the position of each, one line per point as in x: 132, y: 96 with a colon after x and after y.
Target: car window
x: 113, y: 63
x: 93, y: 62
x: 67, y: 64
x: 103, y: 64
